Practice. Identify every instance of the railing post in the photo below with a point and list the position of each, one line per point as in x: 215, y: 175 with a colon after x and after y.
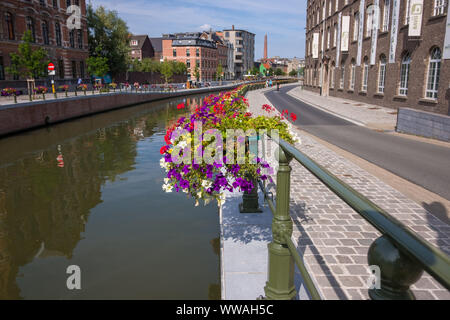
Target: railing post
x: 398, y: 271
x: 280, y: 284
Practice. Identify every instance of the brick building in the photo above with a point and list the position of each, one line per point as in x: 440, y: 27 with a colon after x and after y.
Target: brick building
x: 141, y: 47
x: 386, y: 52
x: 193, y: 50
x: 67, y: 49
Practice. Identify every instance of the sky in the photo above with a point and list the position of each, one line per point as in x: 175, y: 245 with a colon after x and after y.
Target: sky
x: 283, y: 20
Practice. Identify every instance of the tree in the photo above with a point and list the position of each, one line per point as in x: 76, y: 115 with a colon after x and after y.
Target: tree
x: 150, y: 65
x: 179, y: 67
x: 219, y: 71
x: 196, y: 73
x: 167, y: 70
x: 293, y: 73
x: 97, y: 66
x: 271, y: 72
x: 254, y: 71
x: 28, y: 62
x: 108, y: 37
x: 279, y: 72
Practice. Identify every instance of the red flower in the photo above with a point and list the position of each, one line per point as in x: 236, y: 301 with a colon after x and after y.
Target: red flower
x: 285, y: 112
x: 180, y: 106
x: 293, y: 117
x: 164, y: 149
x: 248, y: 115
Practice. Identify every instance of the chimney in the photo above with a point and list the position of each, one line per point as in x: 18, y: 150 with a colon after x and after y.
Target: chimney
x: 232, y: 27
x: 265, y: 47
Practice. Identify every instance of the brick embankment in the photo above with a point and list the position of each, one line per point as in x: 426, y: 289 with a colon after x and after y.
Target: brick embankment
x: 332, y: 238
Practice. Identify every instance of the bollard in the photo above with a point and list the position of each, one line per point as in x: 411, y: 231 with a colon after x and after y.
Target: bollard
x: 280, y: 284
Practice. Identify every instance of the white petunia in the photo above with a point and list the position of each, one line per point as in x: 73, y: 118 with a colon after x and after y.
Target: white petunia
x: 167, y: 188
x: 206, y: 184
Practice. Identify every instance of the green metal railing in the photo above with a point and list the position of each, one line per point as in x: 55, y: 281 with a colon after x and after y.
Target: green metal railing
x: 401, y: 254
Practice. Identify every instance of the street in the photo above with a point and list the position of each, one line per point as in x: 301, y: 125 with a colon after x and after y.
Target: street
x: 422, y: 163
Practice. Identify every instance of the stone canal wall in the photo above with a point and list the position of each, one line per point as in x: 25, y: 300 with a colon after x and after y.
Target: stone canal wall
x: 424, y: 124
x: 24, y: 116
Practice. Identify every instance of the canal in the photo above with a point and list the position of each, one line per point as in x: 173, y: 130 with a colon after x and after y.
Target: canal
x: 88, y: 193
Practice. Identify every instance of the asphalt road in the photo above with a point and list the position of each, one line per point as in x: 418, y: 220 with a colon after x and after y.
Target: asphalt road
x: 424, y: 164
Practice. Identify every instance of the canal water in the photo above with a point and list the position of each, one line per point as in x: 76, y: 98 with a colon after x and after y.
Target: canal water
x: 88, y: 193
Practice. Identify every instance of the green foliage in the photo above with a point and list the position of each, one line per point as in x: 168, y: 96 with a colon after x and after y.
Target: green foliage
x: 28, y: 62
x: 293, y: 73
x: 196, y: 73
x: 108, y: 38
x: 219, y: 72
x: 149, y: 65
x: 279, y: 72
x: 97, y: 66
x: 254, y: 71
x: 167, y: 70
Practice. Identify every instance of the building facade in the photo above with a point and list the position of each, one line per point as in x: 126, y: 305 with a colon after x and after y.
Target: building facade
x: 141, y: 47
x: 244, y: 50
x: 386, y: 52
x: 193, y: 50
x: 47, y: 21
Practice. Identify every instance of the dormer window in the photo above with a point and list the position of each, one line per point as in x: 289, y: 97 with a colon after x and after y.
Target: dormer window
x: 134, y: 43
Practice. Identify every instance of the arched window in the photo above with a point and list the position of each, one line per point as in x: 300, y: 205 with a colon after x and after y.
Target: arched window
x: 355, y: 26
x: 369, y: 20
x: 404, y: 75
x: 45, y: 35
x: 342, y: 78
x: 439, y: 7
x: 30, y: 27
x: 382, y: 74
x: 386, y: 13
x: 10, y: 26
x: 434, y: 70
x: 332, y: 76
x: 365, y: 74
x: 58, y: 34
x: 353, y: 75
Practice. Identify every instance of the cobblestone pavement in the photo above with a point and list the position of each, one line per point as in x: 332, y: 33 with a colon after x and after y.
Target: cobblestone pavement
x: 372, y: 116
x: 332, y: 238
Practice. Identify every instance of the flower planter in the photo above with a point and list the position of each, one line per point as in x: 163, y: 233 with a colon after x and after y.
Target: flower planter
x: 250, y: 201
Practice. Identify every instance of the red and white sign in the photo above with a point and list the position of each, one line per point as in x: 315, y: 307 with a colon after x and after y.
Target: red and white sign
x: 51, y: 67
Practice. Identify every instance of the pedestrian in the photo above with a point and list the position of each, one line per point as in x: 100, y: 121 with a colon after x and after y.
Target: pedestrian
x: 79, y: 81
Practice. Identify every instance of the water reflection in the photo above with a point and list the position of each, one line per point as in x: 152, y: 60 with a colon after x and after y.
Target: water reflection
x: 88, y: 192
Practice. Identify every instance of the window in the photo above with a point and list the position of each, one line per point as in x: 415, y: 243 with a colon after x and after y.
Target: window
x: 365, y: 75
x: 45, y: 32
x: 10, y: 26
x: 355, y: 26
x: 2, y: 69
x: 335, y: 35
x: 174, y: 52
x: 329, y: 8
x: 336, y: 5
x: 74, y: 69
x: 68, y: 3
x: 227, y: 34
x: 382, y: 74
x: 353, y: 75
x: 133, y: 43
x: 386, y: 13
x: 341, y: 82
x: 407, y: 12
x: 332, y: 77
x: 72, y: 38
x: 30, y: 27
x: 188, y: 52
x: 197, y: 63
x: 404, y: 75
x: 61, y: 69
x: 434, y: 70
x: 369, y: 20
x: 439, y: 6
x: 197, y: 52
x: 80, y: 38
x: 82, y: 69
x: 55, y: 3
x: 188, y: 63
x: 328, y: 37
x: 58, y: 34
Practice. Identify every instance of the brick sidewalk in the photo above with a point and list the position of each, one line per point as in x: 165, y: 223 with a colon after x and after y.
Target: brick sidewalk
x: 372, y: 116
x: 332, y: 238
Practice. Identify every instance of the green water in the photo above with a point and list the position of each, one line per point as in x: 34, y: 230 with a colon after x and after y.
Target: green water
x: 101, y: 207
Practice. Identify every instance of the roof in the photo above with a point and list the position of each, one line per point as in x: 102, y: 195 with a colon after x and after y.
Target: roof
x: 157, y: 44
x: 239, y: 30
x: 140, y: 39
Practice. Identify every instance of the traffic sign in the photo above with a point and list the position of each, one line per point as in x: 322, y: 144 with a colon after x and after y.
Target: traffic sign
x: 51, y: 67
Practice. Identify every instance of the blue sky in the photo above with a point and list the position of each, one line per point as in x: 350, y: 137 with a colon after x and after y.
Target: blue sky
x: 283, y: 21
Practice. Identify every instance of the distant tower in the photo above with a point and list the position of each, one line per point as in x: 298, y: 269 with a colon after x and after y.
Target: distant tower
x: 265, y: 47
